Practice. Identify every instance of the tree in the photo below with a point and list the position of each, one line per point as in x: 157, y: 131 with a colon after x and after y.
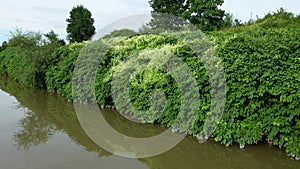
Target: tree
x: 52, y: 37
x: 25, y: 40
x: 205, y: 13
x: 80, y: 24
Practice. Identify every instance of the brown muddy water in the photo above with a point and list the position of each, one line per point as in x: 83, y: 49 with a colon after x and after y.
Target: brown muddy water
x: 40, y: 130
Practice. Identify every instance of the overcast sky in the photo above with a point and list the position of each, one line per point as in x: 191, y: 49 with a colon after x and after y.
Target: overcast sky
x: 46, y: 15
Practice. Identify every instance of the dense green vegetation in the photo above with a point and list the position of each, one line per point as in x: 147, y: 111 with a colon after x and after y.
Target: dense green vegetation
x: 279, y: 19
x: 261, y: 64
x: 262, y: 70
x: 151, y: 78
x: 27, y: 56
x: 59, y: 75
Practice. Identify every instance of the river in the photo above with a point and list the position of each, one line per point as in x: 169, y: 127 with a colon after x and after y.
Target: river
x: 40, y: 130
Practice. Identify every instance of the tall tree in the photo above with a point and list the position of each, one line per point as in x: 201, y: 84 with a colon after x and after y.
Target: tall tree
x: 80, y: 24
x: 203, y: 13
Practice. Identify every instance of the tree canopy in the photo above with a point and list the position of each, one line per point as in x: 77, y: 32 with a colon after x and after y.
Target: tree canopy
x: 80, y: 24
x: 204, y: 14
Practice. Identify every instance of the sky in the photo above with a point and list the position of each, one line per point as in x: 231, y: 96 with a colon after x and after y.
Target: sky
x: 46, y: 15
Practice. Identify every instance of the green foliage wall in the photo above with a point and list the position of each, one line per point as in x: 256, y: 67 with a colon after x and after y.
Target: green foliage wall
x: 144, y: 82
x: 262, y: 74
x: 262, y: 69
x: 26, y: 58
x: 59, y: 75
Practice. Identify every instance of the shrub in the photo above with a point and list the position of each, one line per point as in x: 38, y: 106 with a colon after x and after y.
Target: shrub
x: 262, y: 72
x: 26, y: 58
x: 59, y: 74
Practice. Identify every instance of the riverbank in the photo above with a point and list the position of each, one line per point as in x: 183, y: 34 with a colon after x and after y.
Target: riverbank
x: 262, y: 78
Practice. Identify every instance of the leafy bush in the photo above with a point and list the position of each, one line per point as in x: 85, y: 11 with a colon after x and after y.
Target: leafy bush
x: 117, y: 55
x: 262, y: 69
x: 59, y: 74
x: 144, y: 82
x: 26, y: 58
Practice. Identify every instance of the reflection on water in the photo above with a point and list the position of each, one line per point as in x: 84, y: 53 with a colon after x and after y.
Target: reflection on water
x: 35, y: 130
x: 45, y: 133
